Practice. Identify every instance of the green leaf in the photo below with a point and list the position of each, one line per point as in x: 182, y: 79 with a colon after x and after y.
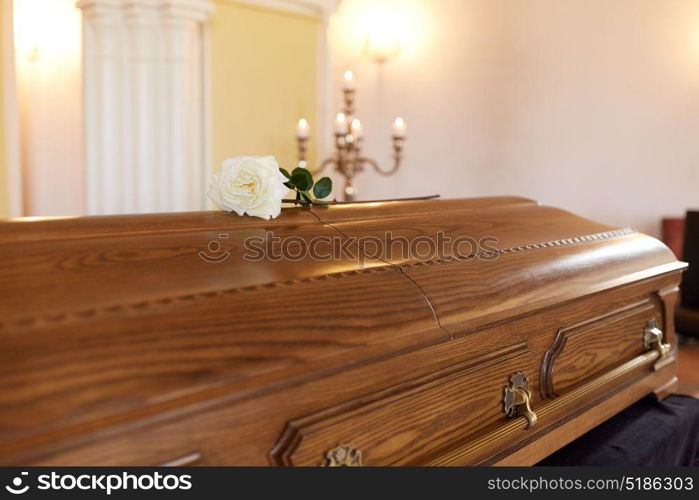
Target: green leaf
x: 323, y: 187
x: 306, y: 174
x: 285, y: 173
x: 306, y: 197
x: 301, y: 182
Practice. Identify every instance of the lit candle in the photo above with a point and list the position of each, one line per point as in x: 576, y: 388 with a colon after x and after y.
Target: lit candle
x: 399, y: 127
x: 349, y: 81
x: 341, y: 124
x: 302, y: 129
x: 356, y: 128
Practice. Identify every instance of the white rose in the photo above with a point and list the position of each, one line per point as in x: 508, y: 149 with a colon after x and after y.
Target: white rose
x: 250, y: 185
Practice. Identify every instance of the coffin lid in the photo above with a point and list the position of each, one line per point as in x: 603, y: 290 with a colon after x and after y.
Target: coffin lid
x: 147, y: 305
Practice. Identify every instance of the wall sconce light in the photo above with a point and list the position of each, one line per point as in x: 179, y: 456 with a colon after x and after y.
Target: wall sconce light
x: 382, y: 34
x: 46, y: 30
x: 28, y: 29
x: 33, y: 52
x: 382, y: 46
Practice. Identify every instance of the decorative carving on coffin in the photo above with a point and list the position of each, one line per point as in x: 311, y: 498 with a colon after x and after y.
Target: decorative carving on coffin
x: 470, y: 390
x: 29, y: 322
x: 597, y: 344
x: 343, y: 455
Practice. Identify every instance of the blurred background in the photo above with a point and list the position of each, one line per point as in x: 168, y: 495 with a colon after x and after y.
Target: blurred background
x: 116, y: 106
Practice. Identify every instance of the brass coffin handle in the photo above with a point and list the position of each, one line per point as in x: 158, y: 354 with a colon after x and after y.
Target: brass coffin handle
x: 344, y: 455
x: 517, y: 399
x: 653, y: 339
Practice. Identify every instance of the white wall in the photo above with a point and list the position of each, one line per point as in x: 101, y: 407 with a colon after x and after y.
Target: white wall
x: 50, y: 104
x: 590, y: 105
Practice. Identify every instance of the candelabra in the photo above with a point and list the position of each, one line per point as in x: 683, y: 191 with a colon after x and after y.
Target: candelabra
x: 348, y: 159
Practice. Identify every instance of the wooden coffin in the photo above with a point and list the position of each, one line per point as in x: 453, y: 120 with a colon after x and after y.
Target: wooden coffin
x: 149, y: 339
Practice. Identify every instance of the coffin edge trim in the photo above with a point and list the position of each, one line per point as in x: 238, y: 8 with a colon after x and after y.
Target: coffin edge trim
x: 60, y: 317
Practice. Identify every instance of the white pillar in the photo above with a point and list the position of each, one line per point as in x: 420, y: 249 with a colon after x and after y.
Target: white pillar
x: 144, y: 104
x: 101, y: 73
x: 141, y: 84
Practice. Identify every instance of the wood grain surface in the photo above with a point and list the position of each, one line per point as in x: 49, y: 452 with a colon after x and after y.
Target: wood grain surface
x: 120, y: 344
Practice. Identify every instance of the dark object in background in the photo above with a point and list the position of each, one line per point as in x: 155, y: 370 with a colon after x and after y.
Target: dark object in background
x: 687, y: 315
x: 649, y: 433
x: 690, y: 251
x: 673, y: 234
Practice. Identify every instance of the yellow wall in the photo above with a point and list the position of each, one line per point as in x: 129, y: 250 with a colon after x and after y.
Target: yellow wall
x: 263, y: 79
x: 4, y: 202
